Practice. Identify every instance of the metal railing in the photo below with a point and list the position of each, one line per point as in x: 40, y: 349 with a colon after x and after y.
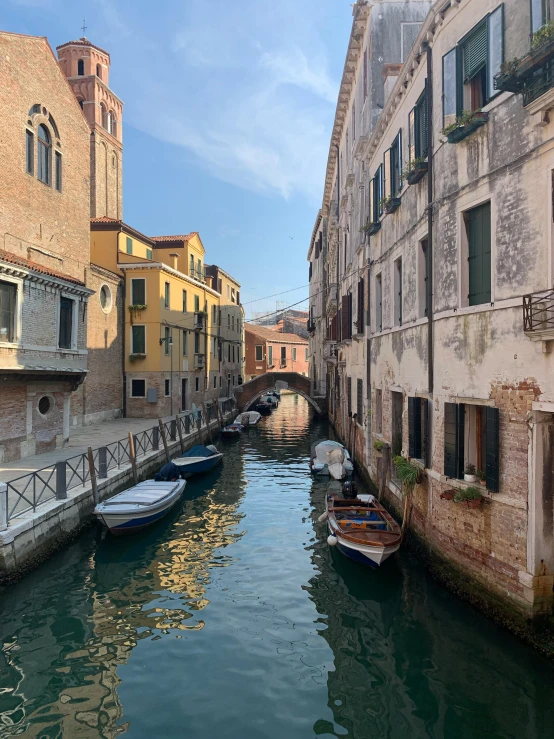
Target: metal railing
x: 539, y: 83
x: 28, y: 492
x: 538, y: 312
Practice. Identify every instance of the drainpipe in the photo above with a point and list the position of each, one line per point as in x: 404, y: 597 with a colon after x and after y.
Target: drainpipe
x: 429, y: 254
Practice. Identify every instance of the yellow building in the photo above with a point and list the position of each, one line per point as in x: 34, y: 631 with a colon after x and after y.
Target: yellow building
x: 175, y: 341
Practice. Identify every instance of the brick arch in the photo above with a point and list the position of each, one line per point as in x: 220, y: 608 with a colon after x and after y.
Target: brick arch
x: 248, y: 393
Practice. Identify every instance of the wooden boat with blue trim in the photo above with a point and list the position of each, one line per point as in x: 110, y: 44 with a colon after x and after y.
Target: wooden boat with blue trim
x: 140, y: 506
x: 361, y: 529
x: 232, y: 431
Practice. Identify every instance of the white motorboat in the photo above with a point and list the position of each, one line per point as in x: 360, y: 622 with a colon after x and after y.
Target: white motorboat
x: 248, y: 418
x: 139, y: 506
x: 198, y: 459
x: 331, y: 458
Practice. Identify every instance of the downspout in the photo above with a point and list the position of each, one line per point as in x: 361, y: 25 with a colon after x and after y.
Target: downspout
x: 429, y: 253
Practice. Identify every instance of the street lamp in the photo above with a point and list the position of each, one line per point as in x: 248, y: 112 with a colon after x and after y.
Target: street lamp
x: 168, y: 341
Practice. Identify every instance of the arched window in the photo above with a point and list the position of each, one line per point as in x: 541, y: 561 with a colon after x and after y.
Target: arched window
x: 44, y: 155
x: 80, y: 68
x: 82, y: 104
x: 99, y: 71
x: 104, y: 113
x: 111, y: 123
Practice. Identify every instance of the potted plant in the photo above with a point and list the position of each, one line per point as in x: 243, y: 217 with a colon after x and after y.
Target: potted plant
x: 390, y: 204
x: 448, y: 494
x: 464, y: 125
x: 415, y: 171
x: 379, y: 445
x: 542, y: 49
x: 136, y: 310
x: 507, y: 79
x: 482, y: 476
x: 372, y: 228
x: 410, y: 475
x: 470, y: 473
x: 471, y: 497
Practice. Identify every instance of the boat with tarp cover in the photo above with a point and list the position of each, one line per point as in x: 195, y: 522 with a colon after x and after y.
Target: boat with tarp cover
x: 248, y: 418
x: 331, y: 458
x: 198, y: 459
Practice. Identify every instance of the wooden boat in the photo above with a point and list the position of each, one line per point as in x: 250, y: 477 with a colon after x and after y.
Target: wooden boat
x: 139, y: 506
x: 331, y: 458
x: 232, y: 431
x: 198, y: 459
x: 362, y: 529
x: 263, y: 408
x: 248, y: 418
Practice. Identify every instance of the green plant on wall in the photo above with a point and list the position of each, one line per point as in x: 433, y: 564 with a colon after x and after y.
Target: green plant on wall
x: 379, y: 445
x: 543, y: 36
x: 469, y: 493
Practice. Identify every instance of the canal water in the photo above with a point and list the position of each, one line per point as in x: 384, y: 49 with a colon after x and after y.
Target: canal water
x: 232, y: 619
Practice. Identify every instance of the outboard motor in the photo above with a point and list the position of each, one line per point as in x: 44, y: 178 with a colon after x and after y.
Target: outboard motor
x: 349, y: 490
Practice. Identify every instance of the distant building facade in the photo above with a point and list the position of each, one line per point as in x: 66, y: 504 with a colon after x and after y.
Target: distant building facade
x: 271, y: 351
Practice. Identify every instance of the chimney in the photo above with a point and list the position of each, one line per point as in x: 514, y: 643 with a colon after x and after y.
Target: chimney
x: 175, y: 261
x: 390, y: 75
x: 209, y: 280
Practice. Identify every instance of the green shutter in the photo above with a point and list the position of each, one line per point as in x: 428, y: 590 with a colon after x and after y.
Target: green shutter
x: 492, y: 423
x: 479, y: 254
x: 454, y: 418
x: 411, y: 136
x: 475, y: 52
x: 129, y: 245
x: 414, y: 427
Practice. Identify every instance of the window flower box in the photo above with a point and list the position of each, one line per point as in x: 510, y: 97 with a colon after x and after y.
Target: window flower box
x: 136, y: 356
x: 465, y: 125
x: 416, y: 171
x: 373, y: 228
x: 137, y: 309
x: 541, y: 52
x: 508, y: 82
x: 390, y: 205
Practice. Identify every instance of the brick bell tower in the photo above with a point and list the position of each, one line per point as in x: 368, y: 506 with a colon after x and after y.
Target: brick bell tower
x: 87, y: 69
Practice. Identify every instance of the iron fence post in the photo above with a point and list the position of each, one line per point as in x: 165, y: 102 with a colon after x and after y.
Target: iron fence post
x: 155, y: 438
x: 61, y: 480
x: 102, y: 463
x: 173, y: 430
x: 135, y: 443
x: 187, y: 425
x: 3, y: 506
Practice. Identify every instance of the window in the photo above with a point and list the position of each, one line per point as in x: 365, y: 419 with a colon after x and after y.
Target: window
x: 422, y: 275
x: 80, y: 68
x: 228, y: 352
x: 105, y: 298
x: 196, y: 304
x: 197, y: 384
x: 199, y: 270
x: 478, y: 231
x: 233, y: 352
x: 378, y: 304
x: 30, y: 152
x: 376, y: 195
x: 349, y: 395
x: 191, y: 265
x: 220, y: 381
x: 294, y: 354
x: 138, y: 339
x: 197, y: 343
x: 396, y: 165
x: 360, y: 401
x: 398, y: 292
x: 167, y: 388
x: 396, y: 446
x: 540, y: 14
x: 66, y: 323
x: 104, y: 115
x: 418, y: 442
x: 233, y: 295
x: 8, y: 302
x: 378, y: 411
x: 306, y: 357
x: 470, y: 68
x: 148, y: 253
x: 283, y: 356
x: 185, y: 351
x: 43, y: 155
x: 346, y: 317
x: 111, y: 123
x: 471, y: 436
x: 353, y: 123
x: 361, y: 306
x: 270, y: 355
x: 214, y: 315
x: 365, y: 74
x: 58, y: 180
x: 138, y: 388
x: 138, y: 291
x: 167, y: 340
x: 166, y: 295
x: 215, y: 381
x: 417, y: 128
x: 232, y: 323
x: 99, y: 71
x: 129, y: 245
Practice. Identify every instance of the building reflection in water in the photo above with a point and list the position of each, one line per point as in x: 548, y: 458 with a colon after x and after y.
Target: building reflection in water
x: 62, y: 643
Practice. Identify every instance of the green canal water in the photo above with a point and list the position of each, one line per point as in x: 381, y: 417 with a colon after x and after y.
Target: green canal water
x: 233, y: 619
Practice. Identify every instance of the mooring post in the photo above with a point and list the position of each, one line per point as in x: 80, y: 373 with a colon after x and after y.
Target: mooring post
x: 208, y: 426
x: 3, y: 506
x: 102, y: 463
x: 177, y: 423
x: 61, y: 480
x: 164, y: 439
x: 92, y: 472
x: 132, y: 457
x: 173, y: 430
x: 155, y: 438
x: 187, y: 425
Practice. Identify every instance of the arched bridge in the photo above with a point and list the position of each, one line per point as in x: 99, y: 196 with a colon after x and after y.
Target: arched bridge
x: 247, y: 394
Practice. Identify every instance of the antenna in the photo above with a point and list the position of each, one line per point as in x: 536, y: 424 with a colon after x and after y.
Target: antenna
x: 84, y: 27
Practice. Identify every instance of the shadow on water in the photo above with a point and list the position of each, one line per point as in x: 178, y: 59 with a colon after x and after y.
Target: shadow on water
x: 232, y: 618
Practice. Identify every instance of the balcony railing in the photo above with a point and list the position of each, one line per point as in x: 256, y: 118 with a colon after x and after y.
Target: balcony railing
x: 199, y: 320
x: 330, y: 351
x: 541, y: 81
x: 538, y: 315
x: 199, y: 361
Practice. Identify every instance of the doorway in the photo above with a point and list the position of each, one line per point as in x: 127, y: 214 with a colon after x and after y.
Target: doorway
x: 184, y: 394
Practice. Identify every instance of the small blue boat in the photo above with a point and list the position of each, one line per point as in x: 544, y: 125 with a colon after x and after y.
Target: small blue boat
x: 197, y: 460
x: 140, y: 506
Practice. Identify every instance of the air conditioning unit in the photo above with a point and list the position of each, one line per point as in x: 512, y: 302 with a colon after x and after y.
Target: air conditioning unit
x: 199, y: 361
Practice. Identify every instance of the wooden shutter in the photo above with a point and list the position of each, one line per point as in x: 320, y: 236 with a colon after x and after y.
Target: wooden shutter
x: 454, y: 416
x: 492, y: 423
x: 411, y: 136
x: 387, y: 184
x: 310, y: 273
x: 344, y: 316
x: 349, y: 385
x: 426, y: 451
x: 399, y: 161
x: 360, y: 320
x: 479, y: 254
x: 360, y: 400
x: 475, y: 52
x: 414, y: 427
x: 371, y: 214
x: 350, y: 318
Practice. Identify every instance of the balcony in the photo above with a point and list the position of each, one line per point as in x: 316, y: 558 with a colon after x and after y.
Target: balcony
x: 533, y: 74
x: 310, y: 326
x: 199, y: 361
x: 199, y: 321
x: 330, y: 352
x: 538, y: 316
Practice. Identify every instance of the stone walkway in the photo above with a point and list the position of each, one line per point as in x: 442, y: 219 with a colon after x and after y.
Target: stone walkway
x: 95, y: 435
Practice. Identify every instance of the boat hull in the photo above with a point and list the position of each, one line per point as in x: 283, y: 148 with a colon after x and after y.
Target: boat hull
x: 365, y: 554
x: 120, y: 524
x: 197, y: 466
x: 125, y: 517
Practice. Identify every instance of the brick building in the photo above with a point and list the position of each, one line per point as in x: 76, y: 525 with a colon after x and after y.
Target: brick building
x: 434, y: 316
x: 267, y: 350
x: 44, y: 248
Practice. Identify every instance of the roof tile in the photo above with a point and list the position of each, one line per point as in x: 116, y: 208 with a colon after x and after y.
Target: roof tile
x: 269, y: 335
x: 34, y: 267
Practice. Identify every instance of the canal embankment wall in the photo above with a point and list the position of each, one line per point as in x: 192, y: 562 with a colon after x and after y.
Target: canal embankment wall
x: 34, y: 535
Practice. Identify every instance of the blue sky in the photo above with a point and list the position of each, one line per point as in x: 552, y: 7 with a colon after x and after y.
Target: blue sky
x: 228, y: 111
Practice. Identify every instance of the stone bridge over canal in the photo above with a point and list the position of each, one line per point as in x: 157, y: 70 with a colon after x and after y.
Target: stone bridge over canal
x: 248, y: 393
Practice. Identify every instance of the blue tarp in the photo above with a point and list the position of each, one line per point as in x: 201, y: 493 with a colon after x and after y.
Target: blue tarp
x: 199, y: 451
